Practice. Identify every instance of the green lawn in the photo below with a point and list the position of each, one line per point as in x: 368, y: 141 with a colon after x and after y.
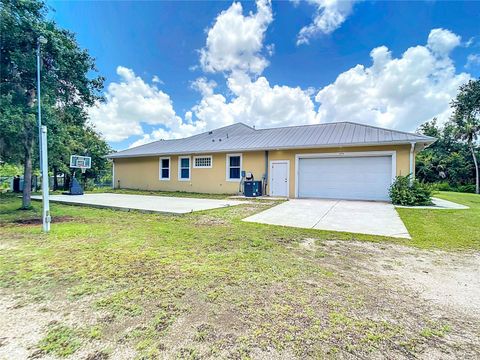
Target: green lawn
x: 207, y: 285
x: 445, y: 229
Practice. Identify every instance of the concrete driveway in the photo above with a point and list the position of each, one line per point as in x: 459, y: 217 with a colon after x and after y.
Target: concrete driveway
x: 150, y: 203
x: 363, y: 217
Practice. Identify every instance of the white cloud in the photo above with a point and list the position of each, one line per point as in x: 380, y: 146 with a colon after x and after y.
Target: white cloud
x: 393, y: 92
x: 131, y: 102
x: 472, y: 61
x: 234, y: 47
x: 204, y: 86
x: 157, y: 80
x: 254, y: 102
x: 469, y: 42
x: 159, y: 134
x: 329, y: 16
x: 235, y: 41
x: 270, y: 49
x: 441, y: 42
x: 396, y: 92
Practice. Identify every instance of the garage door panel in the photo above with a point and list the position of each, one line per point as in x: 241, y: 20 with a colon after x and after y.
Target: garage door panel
x: 363, y: 178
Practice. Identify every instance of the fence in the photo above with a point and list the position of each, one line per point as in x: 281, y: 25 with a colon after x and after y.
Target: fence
x: 12, y: 183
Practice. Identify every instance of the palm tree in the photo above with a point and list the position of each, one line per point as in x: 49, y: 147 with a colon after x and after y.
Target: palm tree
x: 469, y: 133
x: 466, y: 117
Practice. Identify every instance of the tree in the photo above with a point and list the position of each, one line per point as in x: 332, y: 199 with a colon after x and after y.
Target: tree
x: 9, y: 170
x: 447, y: 159
x: 466, y: 117
x: 88, y: 143
x: 67, y: 88
x: 68, y: 138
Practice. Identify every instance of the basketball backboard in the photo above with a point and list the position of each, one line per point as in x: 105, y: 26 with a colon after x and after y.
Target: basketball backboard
x: 80, y: 162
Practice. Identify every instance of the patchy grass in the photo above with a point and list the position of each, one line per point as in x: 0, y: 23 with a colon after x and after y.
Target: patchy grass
x: 445, y: 229
x: 436, y: 331
x: 60, y: 340
x: 204, y: 332
x: 205, y: 285
x: 94, y: 332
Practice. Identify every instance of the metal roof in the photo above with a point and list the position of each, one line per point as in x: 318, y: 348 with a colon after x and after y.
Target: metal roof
x: 240, y: 137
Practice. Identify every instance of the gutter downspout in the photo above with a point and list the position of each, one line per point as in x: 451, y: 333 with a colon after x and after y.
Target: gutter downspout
x: 412, y: 159
x: 113, y: 174
x: 265, y: 180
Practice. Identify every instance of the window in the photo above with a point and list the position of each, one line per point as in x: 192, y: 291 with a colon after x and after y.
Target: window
x: 165, y: 168
x: 184, y: 168
x: 202, y: 162
x: 234, y: 167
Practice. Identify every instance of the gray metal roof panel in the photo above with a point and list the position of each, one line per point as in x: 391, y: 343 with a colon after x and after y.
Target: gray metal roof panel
x: 312, y: 133
x: 348, y: 133
x: 240, y: 137
x: 337, y: 134
x: 359, y: 134
x: 330, y: 134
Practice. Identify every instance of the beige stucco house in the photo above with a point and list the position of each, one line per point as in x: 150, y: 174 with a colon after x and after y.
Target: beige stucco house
x: 336, y: 160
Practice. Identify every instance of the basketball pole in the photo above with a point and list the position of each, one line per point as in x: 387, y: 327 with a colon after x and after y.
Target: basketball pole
x: 45, y: 183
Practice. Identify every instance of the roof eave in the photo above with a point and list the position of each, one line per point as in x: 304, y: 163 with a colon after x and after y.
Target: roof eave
x: 426, y: 142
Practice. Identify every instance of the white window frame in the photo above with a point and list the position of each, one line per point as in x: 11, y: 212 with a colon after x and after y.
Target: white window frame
x: 227, y: 167
x: 160, y: 168
x: 393, y: 154
x: 180, y: 168
x: 201, y: 157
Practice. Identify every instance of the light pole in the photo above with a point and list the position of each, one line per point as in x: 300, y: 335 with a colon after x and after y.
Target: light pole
x: 42, y: 147
x: 40, y: 40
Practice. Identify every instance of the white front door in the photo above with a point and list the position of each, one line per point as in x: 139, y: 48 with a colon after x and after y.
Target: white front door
x: 279, y: 178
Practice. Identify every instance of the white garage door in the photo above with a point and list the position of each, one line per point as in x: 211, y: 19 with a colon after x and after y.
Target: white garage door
x: 356, y: 178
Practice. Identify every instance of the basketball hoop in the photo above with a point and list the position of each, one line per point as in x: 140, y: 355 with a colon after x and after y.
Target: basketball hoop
x: 80, y: 162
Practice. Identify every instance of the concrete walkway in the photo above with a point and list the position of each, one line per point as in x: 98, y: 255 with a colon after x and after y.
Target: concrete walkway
x: 438, y: 204
x: 364, y: 217
x: 149, y: 203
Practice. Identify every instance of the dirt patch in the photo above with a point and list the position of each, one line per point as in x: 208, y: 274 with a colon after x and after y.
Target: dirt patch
x: 23, y: 324
x: 308, y: 244
x: 203, y: 326
x: 210, y: 221
x: 4, y: 245
x: 448, y: 279
x: 98, y: 355
x: 38, y: 221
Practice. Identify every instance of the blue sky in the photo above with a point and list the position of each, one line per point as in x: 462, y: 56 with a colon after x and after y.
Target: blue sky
x: 164, y: 39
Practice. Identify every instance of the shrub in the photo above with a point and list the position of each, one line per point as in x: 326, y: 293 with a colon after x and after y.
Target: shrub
x: 445, y: 186
x: 416, y: 194
x: 466, y: 189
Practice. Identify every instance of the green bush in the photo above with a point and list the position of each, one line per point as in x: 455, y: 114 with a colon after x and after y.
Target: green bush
x: 5, y: 185
x: 466, y: 188
x: 416, y: 194
x: 445, y: 186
